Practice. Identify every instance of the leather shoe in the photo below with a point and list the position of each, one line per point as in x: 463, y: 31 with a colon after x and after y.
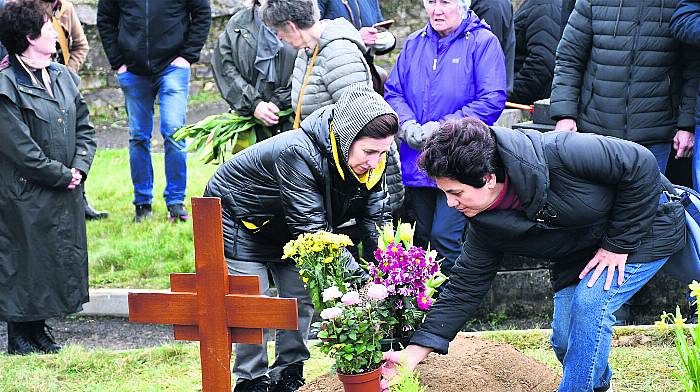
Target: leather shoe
x: 90, y: 213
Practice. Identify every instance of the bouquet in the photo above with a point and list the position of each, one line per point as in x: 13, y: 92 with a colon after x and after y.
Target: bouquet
x: 353, y: 325
x: 215, y: 135
x: 410, y: 274
x: 321, y: 258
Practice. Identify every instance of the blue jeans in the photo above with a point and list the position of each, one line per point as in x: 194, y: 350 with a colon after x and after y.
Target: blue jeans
x: 171, y: 86
x: 582, y: 325
x: 661, y: 152
x: 438, y: 224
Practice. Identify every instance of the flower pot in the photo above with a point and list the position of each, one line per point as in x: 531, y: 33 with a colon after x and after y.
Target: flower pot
x: 365, y: 382
x: 396, y: 344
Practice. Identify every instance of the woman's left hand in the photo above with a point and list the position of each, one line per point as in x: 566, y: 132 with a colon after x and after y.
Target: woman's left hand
x: 605, y: 259
x: 77, y: 178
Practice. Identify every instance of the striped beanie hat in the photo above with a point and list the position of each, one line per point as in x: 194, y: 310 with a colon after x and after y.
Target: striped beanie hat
x: 357, y: 106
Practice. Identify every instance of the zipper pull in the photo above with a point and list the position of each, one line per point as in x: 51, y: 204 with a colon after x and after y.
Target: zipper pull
x: 434, y: 64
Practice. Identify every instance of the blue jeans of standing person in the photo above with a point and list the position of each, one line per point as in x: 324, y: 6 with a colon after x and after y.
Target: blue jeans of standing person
x: 582, y: 325
x: 171, y: 86
x: 661, y: 152
x: 438, y: 224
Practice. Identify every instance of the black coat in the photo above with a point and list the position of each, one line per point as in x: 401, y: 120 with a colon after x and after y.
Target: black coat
x: 499, y: 16
x: 147, y: 35
x: 619, y: 71
x: 43, y: 245
x: 579, y: 192
x: 288, y: 185
x: 537, y: 34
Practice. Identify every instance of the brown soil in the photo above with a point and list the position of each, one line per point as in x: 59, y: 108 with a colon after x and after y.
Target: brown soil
x: 473, y: 364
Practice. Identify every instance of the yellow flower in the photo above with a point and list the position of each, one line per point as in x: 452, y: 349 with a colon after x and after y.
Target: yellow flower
x: 328, y: 259
x: 694, y: 289
x: 305, y: 279
x: 661, y: 326
x: 406, y: 232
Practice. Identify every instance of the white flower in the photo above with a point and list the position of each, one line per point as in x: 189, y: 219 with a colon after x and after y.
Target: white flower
x: 377, y: 291
x: 331, y: 313
x: 331, y: 293
x: 351, y: 298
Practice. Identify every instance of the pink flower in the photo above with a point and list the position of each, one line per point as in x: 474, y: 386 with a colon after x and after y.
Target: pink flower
x: 331, y: 313
x: 377, y: 291
x: 351, y: 298
x: 424, y: 302
x: 331, y: 293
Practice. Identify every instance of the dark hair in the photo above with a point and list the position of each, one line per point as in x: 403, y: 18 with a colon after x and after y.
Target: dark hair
x: 380, y: 127
x: 463, y: 150
x: 19, y: 19
x: 303, y: 13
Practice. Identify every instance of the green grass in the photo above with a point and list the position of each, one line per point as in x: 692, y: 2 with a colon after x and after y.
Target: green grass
x: 173, y: 367
x: 646, y: 368
x: 128, y: 255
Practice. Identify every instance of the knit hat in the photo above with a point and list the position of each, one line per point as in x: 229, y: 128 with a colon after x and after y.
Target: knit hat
x: 357, y: 106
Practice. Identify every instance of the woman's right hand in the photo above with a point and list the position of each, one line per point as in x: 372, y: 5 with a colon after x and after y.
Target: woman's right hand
x: 407, y: 358
x: 267, y: 113
x: 566, y: 124
x: 77, y: 178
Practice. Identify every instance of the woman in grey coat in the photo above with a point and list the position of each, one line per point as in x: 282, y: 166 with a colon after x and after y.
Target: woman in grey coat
x: 46, y: 148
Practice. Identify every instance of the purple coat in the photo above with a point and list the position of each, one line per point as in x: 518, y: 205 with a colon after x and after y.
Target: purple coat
x: 437, y: 79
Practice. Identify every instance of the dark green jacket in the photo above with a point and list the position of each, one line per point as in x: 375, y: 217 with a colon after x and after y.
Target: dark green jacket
x: 619, y: 71
x: 235, y: 73
x: 43, y: 246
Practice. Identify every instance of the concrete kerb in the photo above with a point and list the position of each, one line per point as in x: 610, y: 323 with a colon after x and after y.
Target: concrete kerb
x: 110, y: 302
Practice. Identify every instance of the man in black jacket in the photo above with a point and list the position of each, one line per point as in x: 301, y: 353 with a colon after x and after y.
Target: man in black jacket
x: 499, y: 16
x: 587, y: 202
x: 315, y: 178
x: 151, y: 44
x: 537, y: 34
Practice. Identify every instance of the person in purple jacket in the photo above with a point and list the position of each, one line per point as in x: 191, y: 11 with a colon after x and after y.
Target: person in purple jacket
x: 452, y: 68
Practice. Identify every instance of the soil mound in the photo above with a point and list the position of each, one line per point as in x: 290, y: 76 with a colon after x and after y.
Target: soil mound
x: 472, y: 365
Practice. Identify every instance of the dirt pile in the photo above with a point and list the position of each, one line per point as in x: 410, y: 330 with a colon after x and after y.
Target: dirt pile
x: 472, y: 365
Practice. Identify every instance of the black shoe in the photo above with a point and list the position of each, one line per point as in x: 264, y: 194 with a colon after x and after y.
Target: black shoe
x: 90, y: 213
x: 43, y: 338
x: 178, y: 213
x: 291, y: 379
x: 143, y: 211
x: 260, y: 384
x: 18, y: 343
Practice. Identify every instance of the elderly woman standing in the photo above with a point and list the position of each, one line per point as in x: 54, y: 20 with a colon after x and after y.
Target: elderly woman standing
x: 46, y: 149
x: 589, y: 203
x: 450, y: 69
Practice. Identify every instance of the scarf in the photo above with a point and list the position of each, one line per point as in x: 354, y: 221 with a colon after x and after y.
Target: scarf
x: 30, y: 64
x: 268, y: 46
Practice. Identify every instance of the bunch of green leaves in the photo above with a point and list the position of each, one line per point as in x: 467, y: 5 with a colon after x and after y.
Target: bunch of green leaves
x: 354, y: 338
x: 688, y: 349
x: 321, y: 258
x: 217, y: 135
x: 406, y: 380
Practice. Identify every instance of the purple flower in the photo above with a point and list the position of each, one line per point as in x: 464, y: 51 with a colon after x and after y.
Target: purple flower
x: 423, y: 301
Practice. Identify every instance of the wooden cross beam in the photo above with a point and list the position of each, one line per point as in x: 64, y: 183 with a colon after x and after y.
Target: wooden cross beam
x: 212, y: 306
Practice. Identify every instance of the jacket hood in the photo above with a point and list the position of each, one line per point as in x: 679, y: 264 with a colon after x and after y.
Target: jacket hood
x: 470, y: 22
x: 523, y: 159
x: 340, y: 28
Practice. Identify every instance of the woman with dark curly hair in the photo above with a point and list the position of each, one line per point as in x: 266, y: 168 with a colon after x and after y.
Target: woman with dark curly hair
x: 46, y: 148
x: 588, y: 203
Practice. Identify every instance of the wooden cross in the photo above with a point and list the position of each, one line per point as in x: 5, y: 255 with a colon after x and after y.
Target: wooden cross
x: 212, y: 306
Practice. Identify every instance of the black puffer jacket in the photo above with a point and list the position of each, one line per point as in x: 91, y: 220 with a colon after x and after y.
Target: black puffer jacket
x: 499, y: 16
x: 537, y: 34
x: 619, y: 71
x: 288, y: 185
x: 579, y: 192
x: 147, y: 35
